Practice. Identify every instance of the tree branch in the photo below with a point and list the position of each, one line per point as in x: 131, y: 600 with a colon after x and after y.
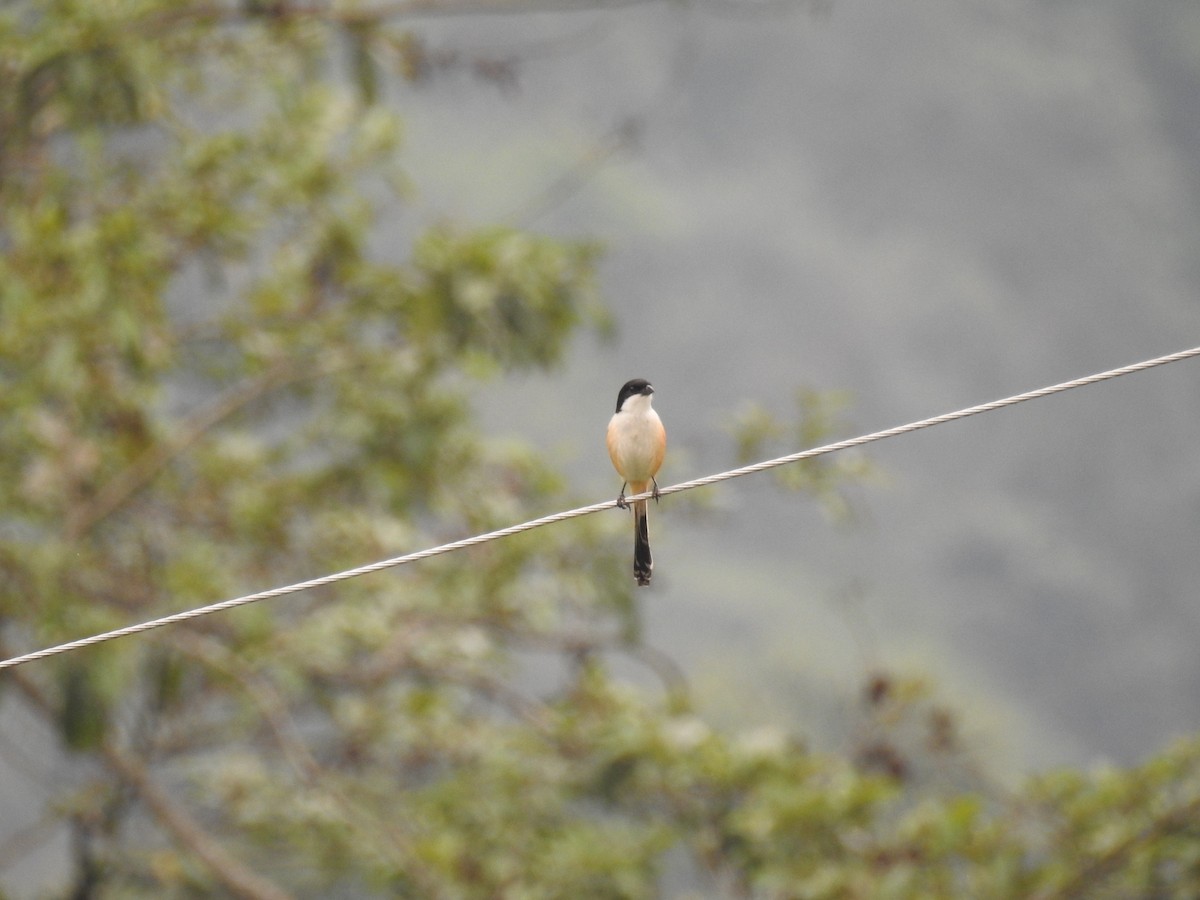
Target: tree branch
x: 146, y: 467
x: 238, y: 880
x: 1085, y: 881
x: 283, y: 11
x: 273, y: 707
x: 230, y: 872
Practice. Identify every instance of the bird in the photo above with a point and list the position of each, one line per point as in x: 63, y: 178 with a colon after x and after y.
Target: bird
x: 636, y: 442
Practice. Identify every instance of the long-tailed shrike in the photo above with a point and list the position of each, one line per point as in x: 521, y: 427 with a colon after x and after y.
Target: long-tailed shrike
x: 636, y: 443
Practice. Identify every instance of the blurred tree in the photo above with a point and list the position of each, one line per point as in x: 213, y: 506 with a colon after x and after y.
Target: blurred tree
x: 759, y: 434
x: 158, y: 451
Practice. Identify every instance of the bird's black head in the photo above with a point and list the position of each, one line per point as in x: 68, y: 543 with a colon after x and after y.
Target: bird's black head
x: 631, y: 388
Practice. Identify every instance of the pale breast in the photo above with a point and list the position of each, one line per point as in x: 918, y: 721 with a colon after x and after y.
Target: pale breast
x: 635, y: 444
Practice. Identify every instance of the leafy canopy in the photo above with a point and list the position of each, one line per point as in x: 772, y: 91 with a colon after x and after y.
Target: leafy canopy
x: 220, y: 370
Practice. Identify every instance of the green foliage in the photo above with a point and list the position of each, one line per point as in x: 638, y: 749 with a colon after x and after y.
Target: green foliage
x: 759, y: 434
x: 216, y: 375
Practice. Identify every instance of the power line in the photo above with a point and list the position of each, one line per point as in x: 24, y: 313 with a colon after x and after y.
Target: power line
x: 186, y: 615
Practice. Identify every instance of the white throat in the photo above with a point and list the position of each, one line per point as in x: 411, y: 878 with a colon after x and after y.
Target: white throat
x: 638, y: 404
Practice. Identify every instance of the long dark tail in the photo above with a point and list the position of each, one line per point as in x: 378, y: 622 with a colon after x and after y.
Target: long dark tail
x: 643, y: 562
